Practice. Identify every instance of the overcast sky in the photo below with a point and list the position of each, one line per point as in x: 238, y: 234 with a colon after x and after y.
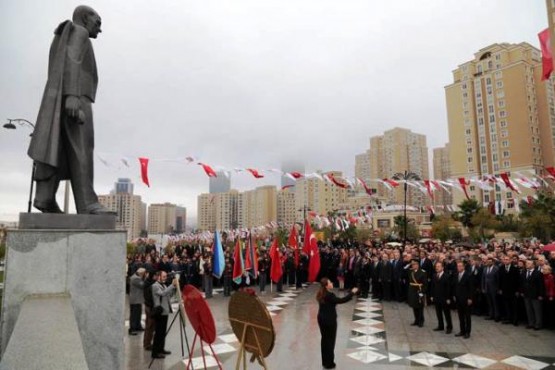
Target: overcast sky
x: 248, y: 83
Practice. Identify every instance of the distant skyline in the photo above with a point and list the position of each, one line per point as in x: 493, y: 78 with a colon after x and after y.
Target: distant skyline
x: 248, y: 83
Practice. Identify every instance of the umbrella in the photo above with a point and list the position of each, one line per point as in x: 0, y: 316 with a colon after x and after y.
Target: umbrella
x: 549, y: 247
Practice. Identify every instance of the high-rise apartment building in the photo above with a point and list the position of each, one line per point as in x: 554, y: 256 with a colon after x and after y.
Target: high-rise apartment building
x: 123, y: 186
x: 396, y: 151
x: 219, y: 184
x: 128, y: 208
x: 161, y: 218
x: 362, y: 166
x: 286, y: 210
x: 180, y: 219
x: 501, y: 118
x: 290, y: 166
x: 442, y: 171
x: 319, y: 196
x: 258, y: 207
x: 226, y: 210
x: 206, y: 212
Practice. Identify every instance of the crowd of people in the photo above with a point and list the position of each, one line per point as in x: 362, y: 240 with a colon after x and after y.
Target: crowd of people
x: 511, y: 283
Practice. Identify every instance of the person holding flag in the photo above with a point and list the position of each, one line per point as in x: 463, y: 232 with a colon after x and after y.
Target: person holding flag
x: 276, y: 270
x: 238, y: 264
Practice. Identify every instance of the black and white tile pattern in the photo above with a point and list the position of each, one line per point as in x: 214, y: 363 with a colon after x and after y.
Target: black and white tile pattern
x: 368, y: 345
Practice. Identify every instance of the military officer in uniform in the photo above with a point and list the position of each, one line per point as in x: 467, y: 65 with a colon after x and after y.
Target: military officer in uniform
x: 416, y: 292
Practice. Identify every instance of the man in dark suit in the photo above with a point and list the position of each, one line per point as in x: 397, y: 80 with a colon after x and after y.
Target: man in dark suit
x: 397, y: 277
x: 386, y: 275
x: 463, y: 293
x: 533, y: 290
x: 509, y: 280
x: 416, y: 297
x: 490, y: 288
x: 441, y: 297
x: 475, y: 270
x: 375, y: 268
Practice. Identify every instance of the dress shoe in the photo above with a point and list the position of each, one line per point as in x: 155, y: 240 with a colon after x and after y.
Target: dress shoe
x: 51, y: 207
x: 148, y: 348
x: 466, y: 336
x: 420, y: 324
x: 141, y: 329
x: 98, y: 209
x: 438, y: 329
x: 164, y: 352
x: 459, y: 334
x: 414, y: 324
x: 448, y: 331
x: 159, y: 355
x: 132, y: 333
x: 332, y: 366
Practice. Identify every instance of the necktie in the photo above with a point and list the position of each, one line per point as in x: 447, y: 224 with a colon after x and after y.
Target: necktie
x: 507, y: 268
x: 529, y: 272
x: 460, y: 276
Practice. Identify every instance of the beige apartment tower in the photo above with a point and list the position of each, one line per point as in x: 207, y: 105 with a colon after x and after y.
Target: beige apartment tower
x: 442, y: 171
x: 286, y: 210
x: 501, y: 118
x: 396, y: 151
x: 129, y: 212
x: 258, y: 207
x: 362, y: 166
x: 161, y: 218
x: 318, y: 196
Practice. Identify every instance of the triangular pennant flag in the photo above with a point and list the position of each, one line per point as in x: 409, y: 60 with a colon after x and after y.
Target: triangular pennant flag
x: 144, y: 170
x: 209, y: 170
x: 547, y: 56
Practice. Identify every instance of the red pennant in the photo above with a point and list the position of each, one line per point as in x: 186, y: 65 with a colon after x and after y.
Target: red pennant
x: 255, y: 173
x: 337, y: 183
x: 464, y: 184
x: 144, y: 170
x: 366, y: 188
x: 547, y: 56
x: 505, y: 178
x: 209, y: 170
x: 391, y: 182
x: 551, y: 171
x: 287, y: 187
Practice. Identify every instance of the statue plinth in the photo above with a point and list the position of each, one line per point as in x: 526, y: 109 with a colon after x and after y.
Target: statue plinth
x: 54, y: 221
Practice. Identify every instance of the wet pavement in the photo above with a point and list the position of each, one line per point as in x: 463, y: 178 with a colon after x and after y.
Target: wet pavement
x: 370, y: 335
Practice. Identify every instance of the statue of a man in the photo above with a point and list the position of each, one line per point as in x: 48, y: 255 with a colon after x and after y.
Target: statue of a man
x: 63, y: 141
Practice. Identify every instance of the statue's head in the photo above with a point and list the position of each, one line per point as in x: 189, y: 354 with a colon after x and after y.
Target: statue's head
x: 87, y: 17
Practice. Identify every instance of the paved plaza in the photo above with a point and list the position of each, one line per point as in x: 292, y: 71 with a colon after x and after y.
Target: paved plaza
x: 370, y: 335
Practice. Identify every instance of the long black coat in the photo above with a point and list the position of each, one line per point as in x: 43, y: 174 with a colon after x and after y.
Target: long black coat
x: 326, y: 310
x: 463, y: 290
x: 413, y: 298
x: 441, y: 288
x: 509, y: 282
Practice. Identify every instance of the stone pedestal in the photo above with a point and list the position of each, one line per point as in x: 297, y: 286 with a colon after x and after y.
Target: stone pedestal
x: 88, y: 266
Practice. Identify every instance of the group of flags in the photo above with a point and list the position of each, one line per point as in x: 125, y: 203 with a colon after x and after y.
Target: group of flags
x: 245, y: 256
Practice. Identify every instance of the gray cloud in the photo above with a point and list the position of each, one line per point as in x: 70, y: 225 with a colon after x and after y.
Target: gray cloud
x: 250, y: 83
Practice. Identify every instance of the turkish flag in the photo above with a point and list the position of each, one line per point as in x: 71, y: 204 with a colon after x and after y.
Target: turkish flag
x: 293, y: 244
x: 307, y: 234
x: 209, y: 170
x: 314, y: 263
x: 275, y: 269
x: 144, y: 170
x: 255, y: 173
x: 547, y: 56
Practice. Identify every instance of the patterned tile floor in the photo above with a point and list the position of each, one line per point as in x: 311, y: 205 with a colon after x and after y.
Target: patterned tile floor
x: 370, y: 335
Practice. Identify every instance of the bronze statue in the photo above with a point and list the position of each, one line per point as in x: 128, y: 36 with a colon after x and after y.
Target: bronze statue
x: 63, y: 141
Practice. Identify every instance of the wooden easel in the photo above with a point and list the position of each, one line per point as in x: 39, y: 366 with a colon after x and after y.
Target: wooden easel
x: 255, y: 349
x: 190, y: 362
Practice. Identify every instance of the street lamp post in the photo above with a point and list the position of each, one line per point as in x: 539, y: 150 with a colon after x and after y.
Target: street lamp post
x: 11, y: 125
x: 405, y: 176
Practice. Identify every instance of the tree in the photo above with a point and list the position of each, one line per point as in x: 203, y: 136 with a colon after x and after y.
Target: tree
x: 363, y: 235
x: 282, y: 235
x: 468, y: 208
x: 507, y: 223
x: 483, y: 220
x: 444, y: 228
x: 399, y: 228
x: 538, y: 218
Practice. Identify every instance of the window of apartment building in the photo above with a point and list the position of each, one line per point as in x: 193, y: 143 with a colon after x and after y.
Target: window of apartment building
x: 488, y: 81
x: 469, y: 150
x: 502, y: 113
x: 506, y: 164
x: 484, y: 159
x: 503, y: 123
x: 498, y: 197
x: 480, y: 111
x: 509, y: 195
x: 468, y: 131
x: 499, y: 84
x: 496, y: 167
x: 497, y: 57
x: 479, y: 68
x: 480, y: 121
x: 468, y: 141
x: 482, y: 150
x: 490, y: 108
x: 493, y: 137
x: 506, y: 154
x: 495, y: 157
x: 500, y: 94
x: 486, y: 198
x: 497, y: 188
x: 463, y: 86
x: 466, y: 113
x: 504, y: 133
x: 501, y: 103
x: 469, y: 159
x: 472, y: 188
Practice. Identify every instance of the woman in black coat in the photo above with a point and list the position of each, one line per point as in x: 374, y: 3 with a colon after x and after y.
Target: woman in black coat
x: 327, y: 320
